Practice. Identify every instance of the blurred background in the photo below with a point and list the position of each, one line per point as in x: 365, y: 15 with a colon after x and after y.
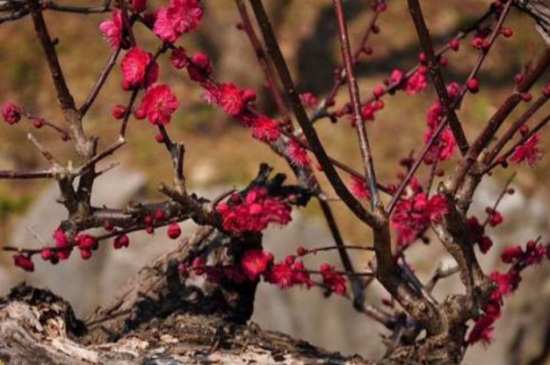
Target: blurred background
x: 221, y: 154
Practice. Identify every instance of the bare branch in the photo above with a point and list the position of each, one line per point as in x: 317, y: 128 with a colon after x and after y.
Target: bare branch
x: 356, y: 102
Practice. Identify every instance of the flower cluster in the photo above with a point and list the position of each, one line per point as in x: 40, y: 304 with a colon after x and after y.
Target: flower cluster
x: 290, y: 272
x: 333, y: 281
x: 256, y: 263
x: 413, y: 215
x: 253, y: 213
x: 533, y: 254
x: 238, y: 104
x: 369, y: 110
x: 417, y: 82
x: 506, y: 284
x: 86, y: 243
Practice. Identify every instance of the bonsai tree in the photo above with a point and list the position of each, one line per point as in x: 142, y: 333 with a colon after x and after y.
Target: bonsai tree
x: 208, y: 284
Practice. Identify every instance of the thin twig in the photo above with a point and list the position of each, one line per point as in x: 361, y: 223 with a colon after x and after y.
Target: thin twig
x: 339, y: 81
x: 414, y: 167
x: 47, y: 155
x: 524, y: 118
x: 26, y: 175
x: 109, y: 151
x: 364, y: 145
x: 485, y: 137
x: 522, y: 140
x: 99, y: 83
x: 503, y: 192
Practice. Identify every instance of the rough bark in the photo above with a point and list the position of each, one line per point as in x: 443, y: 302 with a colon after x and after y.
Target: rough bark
x: 159, y: 319
x: 37, y: 327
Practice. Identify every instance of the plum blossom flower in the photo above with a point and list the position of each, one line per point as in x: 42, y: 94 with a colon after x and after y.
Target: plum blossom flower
x: 443, y: 148
x: 297, y: 154
x: 265, y: 129
x: 511, y: 254
x: 231, y: 99
x: 179, y: 17
x: 255, y: 262
x: 158, y: 104
x: 483, y: 330
x: 62, y: 243
x: 137, y: 69
x: 112, y: 29
x: 396, y: 76
x: 281, y: 275
x: 529, y: 151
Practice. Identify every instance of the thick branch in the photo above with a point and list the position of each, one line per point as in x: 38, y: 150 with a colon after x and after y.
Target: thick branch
x: 66, y: 101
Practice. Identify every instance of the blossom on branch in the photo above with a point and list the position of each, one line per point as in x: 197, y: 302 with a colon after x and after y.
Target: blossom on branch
x: 253, y: 213
x: 417, y: 82
x: 287, y: 274
x: 297, y: 154
x: 255, y: 263
x: 112, y: 29
x: 413, y: 215
x: 138, y: 68
x: 333, y: 281
x: 158, y: 104
x: 179, y: 17
x: 265, y: 129
x: 529, y: 151
x: 11, y: 113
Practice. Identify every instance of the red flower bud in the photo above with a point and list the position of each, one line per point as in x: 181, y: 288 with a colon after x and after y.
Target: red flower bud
x: 174, y: 231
